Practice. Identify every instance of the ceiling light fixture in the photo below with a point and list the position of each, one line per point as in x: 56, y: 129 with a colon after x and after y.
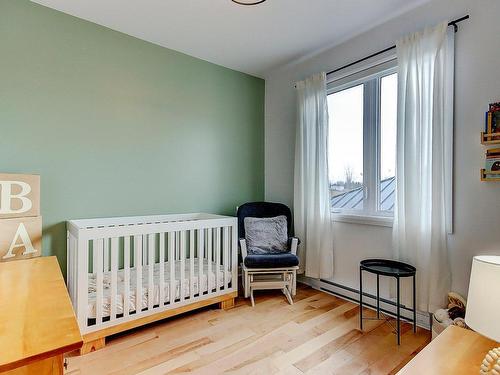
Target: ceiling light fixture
x: 250, y: 2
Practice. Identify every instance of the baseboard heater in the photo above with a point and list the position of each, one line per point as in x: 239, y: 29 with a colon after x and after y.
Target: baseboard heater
x: 387, y: 306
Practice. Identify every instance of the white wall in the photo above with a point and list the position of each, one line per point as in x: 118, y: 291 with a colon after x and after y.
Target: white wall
x: 476, y: 204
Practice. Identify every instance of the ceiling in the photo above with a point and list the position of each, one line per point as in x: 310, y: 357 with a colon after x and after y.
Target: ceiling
x: 251, y: 39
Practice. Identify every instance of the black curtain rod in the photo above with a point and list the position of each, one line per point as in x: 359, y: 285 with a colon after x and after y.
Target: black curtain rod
x: 451, y: 23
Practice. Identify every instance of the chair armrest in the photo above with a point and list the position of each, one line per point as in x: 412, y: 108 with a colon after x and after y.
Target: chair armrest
x: 243, y: 247
x: 294, y: 244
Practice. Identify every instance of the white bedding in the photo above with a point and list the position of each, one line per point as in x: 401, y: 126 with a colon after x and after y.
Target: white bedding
x: 106, y: 300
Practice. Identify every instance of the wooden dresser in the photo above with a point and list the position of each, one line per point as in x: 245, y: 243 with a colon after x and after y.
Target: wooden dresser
x: 37, y: 322
x: 455, y: 351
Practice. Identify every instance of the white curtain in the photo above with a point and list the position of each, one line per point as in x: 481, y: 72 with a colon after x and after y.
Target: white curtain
x: 424, y: 161
x: 311, y: 187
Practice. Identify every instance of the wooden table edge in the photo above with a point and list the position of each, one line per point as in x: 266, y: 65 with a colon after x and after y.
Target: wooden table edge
x: 40, y: 356
x: 47, y: 354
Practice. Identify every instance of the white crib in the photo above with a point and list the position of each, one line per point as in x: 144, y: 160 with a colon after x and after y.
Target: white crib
x: 129, y: 271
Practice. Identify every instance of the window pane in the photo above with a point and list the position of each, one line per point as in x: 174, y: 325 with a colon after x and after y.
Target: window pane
x: 388, y: 121
x: 345, y: 148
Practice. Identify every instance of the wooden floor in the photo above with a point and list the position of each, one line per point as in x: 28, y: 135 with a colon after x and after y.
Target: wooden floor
x: 317, y: 335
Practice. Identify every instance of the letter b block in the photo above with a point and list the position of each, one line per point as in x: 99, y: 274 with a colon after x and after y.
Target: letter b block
x: 19, y: 195
x: 20, y: 238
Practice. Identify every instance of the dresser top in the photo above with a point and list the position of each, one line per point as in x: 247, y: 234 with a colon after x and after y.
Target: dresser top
x: 456, y: 351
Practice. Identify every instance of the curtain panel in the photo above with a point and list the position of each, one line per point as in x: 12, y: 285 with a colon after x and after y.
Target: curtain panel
x: 312, y: 217
x: 424, y: 160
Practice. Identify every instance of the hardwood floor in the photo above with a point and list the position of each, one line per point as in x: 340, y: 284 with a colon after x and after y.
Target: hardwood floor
x: 316, y: 335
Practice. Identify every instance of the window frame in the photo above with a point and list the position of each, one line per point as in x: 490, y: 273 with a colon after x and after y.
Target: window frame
x: 371, y: 77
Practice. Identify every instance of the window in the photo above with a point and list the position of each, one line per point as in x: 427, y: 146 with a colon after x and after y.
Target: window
x: 362, y: 142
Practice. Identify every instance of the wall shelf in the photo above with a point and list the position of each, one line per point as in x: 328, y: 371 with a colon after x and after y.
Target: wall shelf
x: 486, y: 138
x: 489, y: 178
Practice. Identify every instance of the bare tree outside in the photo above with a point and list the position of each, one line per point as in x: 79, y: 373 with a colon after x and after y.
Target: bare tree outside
x: 345, y: 185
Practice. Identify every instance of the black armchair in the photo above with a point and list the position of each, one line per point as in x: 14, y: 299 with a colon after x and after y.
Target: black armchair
x: 282, y: 264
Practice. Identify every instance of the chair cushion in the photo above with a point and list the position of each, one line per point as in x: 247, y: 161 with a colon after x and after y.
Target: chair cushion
x: 271, y: 260
x: 266, y: 235
x: 262, y: 209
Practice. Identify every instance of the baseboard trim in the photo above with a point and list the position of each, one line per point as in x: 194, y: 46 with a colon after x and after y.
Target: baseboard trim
x: 388, y: 307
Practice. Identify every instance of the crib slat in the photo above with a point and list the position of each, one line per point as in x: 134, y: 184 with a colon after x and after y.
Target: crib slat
x: 82, y: 252
x: 201, y: 243
x: 182, y: 251
x: 151, y: 263
x: 114, y: 278
x: 106, y: 254
x: 161, y: 281
x: 144, y: 250
x: 126, y: 275
x: 69, y: 266
x: 191, y: 263
x: 210, y: 284
x: 177, y: 245
x: 171, y: 261
x: 217, y: 258
x: 94, y: 256
x: 138, y: 273
x: 234, y: 256
x: 98, y: 244
x: 75, y: 260
x: 225, y: 252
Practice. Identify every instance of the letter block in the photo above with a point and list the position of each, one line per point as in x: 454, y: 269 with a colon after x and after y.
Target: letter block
x: 20, y: 238
x: 19, y: 195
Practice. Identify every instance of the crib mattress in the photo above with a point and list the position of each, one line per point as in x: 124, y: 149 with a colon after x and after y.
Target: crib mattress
x: 131, y: 305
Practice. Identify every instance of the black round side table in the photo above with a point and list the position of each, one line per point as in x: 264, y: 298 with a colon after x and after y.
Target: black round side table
x: 392, y: 268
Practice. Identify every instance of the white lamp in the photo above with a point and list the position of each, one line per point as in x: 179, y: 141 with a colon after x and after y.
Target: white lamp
x: 483, y: 306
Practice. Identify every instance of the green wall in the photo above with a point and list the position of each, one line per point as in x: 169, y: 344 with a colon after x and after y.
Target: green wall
x: 117, y: 126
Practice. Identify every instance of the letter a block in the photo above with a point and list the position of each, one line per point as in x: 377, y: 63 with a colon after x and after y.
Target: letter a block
x: 20, y: 238
x: 19, y: 195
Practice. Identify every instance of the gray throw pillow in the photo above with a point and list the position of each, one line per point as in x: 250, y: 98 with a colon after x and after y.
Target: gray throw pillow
x: 266, y: 235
